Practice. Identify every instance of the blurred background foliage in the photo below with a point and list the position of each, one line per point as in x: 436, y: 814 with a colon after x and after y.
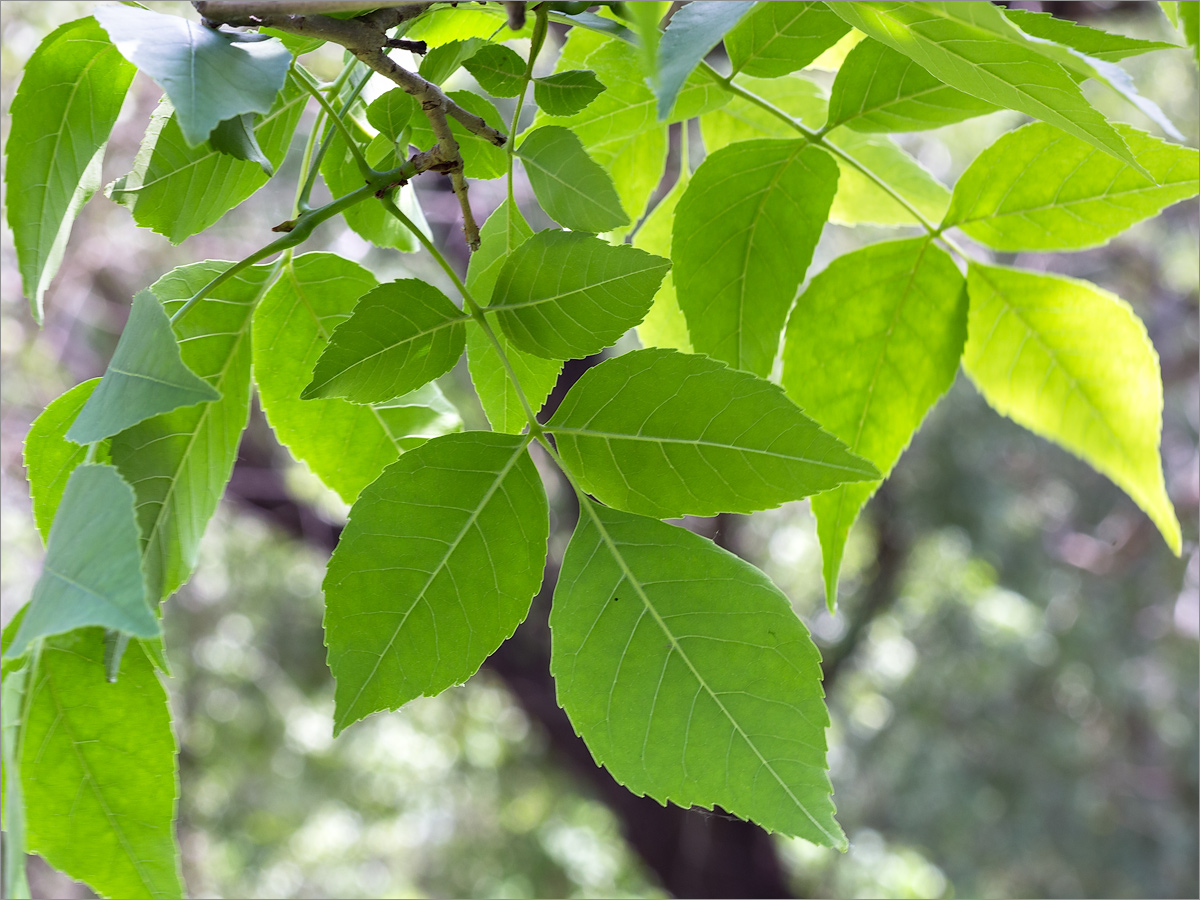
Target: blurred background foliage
x: 1012, y: 673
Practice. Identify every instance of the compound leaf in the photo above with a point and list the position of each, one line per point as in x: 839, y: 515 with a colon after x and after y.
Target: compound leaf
x: 180, y: 462
x: 778, y: 38
x: 435, y: 569
x: 745, y: 231
x: 92, y: 574
x: 399, y: 336
x: 1072, y: 363
x: 871, y: 345
x: 64, y: 109
x: 669, y: 434
x: 1038, y: 188
x: 146, y: 377
x: 209, y: 76
x: 98, y: 769
x: 345, y: 444
x: 687, y: 693
x: 570, y: 186
x: 693, y: 31
x: 566, y: 93
x: 567, y: 295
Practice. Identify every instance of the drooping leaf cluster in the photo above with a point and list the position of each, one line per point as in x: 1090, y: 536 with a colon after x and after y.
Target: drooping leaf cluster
x: 759, y: 382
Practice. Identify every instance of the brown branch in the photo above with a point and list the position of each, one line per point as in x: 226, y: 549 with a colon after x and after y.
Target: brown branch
x: 366, y: 37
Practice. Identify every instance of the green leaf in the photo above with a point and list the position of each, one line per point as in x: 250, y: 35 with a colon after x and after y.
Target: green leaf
x: 879, y: 89
x: 1189, y: 24
x: 570, y: 186
x: 664, y: 325
x: 692, y: 32
x: 1091, y: 41
x: 92, y: 574
x: 859, y: 200
x: 391, y: 112
x: 145, y: 377
x: 871, y: 345
x: 498, y: 69
x: 50, y: 457
x: 435, y: 569
x: 745, y: 231
x: 697, y: 696
x: 369, y: 220
x: 400, y: 336
x: 1038, y: 188
x: 567, y: 295
x: 481, y: 158
x: 669, y: 434
x: 566, y: 93
x: 440, y: 26
x: 209, y: 76
x: 98, y: 770
x: 345, y: 444
x: 12, y: 814
x: 620, y: 129
x: 778, y: 38
x: 441, y: 62
x: 62, y: 114
x: 180, y: 462
x: 177, y: 190
x: 972, y: 47
x: 646, y: 17
x: 1072, y: 363
x: 502, y: 233
x: 235, y: 137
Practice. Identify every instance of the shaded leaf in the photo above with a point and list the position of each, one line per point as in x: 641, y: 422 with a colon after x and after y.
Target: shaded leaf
x: 778, y: 38
x: 64, y: 109
x: 669, y: 434
x: 50, y: 457
x: 684, y: 693
x: 98, y: 770
x: 871, y: 345
x: 1038, y: 188
x: 399, y: 336
x: 566, y: 93
x: 745, y: 231
x: 145, y: 377
x: 481, y: 158
x: 435, y: 569
x: 369, y: 219
x: 692, y: 32
x: 209, y: 76
x: 566, y: 295
x: 392, y: 111
x: 441, y: 62
x: 570, y: 186
x: 1072, y: 363
x: 235, y: 137
x: 345, y: 444
x: 498, y: 69
x: 92, y: 574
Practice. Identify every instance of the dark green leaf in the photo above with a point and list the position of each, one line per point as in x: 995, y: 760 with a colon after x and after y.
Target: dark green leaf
x: 64, y: 110
x: 1072, y: 363
x: 369, y: 219
x: 391, y: 112
x: 502, y: 233
x: 692, y: 32
x: 50, y: 457
x: 745, y: 231
x: 687, y: 693
x: 345, y: 444
x: 435, y: 569
x: 566, y: 93
x: 178, y: 190
x: 235, y: 137
x: 879, y: 89
x: 400, y: 336
x: 570, y: 186
x: 92, y: 574
x: 208, y: 76
x: 669, y: 434
x: 1189, y: 24
x: 566, y: 295
x: 145, y: 377
x: 498, y: 69
x: 1038, y: 188
x: 441, y: 62
x: 777, y: 38
x: 98, y: 767
x: 646, y: 18
x: 180, y: 462
x: 481, y: 158
x: 872, y: 344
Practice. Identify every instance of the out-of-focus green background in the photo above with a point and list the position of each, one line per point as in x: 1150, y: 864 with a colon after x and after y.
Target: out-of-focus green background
x: 1018, y: 716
